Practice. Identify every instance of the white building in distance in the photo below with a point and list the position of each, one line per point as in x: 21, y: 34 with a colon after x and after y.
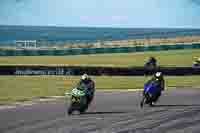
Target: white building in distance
x: 26, y: 43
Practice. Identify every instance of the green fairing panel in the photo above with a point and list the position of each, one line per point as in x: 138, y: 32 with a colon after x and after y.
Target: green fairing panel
x: 78, y: 93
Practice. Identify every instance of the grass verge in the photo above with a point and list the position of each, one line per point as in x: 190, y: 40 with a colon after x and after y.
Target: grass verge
x: 165, y: 58
x: 23, y: 88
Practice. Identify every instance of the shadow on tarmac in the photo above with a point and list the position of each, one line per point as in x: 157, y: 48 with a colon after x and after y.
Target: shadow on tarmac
x: 178, y: 105
x: 113, y: 112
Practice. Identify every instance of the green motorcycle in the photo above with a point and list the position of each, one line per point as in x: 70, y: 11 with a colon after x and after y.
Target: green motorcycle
x: 78, y: 100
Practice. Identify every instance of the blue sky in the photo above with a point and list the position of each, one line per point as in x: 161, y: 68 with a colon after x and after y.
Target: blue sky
x: 101, y: 13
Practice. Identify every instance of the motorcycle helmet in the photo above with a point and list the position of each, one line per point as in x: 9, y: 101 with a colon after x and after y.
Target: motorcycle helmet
x: 84, y: 77
x: 158, y: 75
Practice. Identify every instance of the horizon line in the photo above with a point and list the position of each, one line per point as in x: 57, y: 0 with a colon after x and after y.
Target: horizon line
x: 99, y: 27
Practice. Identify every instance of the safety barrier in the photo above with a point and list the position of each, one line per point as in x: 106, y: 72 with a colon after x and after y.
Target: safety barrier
x: 77, y: 51
x: 79, y: 70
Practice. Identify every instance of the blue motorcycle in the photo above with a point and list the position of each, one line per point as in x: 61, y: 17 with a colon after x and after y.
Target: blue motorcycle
x: 151, y: 93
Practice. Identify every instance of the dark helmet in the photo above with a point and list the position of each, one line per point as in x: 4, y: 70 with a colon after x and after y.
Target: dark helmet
x: 152, y: 59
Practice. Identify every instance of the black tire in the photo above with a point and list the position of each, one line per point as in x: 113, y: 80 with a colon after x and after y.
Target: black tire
x: 82, y: 111
x: 151, y: 100
x: 142, y: 102
x: 84, y: 107
x: 151, y: 104
x: 70, y: 110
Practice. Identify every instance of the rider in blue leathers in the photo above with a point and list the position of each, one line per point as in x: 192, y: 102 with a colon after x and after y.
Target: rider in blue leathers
x: 158, y: 79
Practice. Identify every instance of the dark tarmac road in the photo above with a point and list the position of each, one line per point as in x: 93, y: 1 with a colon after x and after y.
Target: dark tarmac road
x: 112, y: 112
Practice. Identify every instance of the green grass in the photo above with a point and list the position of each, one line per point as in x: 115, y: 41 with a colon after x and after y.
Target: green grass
x: 21, y: 88
x: 165, y: 58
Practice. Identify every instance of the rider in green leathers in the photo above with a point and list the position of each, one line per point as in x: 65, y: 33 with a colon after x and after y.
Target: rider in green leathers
x: 90, y: 85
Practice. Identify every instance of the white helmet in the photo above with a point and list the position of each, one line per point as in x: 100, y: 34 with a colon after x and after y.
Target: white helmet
x: 158, y: 75
x: 84, y: 76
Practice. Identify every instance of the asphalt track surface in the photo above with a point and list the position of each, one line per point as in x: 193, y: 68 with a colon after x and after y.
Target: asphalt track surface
x: 117, y: 112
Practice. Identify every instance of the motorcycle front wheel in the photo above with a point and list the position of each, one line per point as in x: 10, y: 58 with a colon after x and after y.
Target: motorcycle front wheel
x: 143, y: 102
